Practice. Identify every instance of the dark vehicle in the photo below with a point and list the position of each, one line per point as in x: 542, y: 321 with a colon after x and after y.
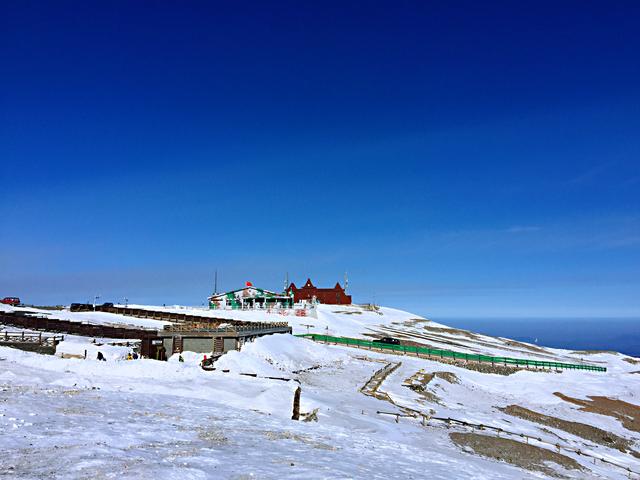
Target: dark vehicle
x: 13, y: 301
x: 387, y: 340
x: 80, y: 307
x: 107, y: 305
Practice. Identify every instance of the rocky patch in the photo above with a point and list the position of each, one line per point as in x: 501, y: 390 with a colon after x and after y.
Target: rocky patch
x: 627, y: 413
x: 594, y: 434
x: 515, y: 453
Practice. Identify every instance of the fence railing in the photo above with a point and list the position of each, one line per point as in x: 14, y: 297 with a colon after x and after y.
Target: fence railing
x: 258, y: 328
x: 22, y: 337
x: 450, y: 354
x: 73, y: 328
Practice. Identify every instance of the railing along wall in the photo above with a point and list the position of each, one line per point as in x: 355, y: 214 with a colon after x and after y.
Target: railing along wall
x: 38, y: 338
x: 450, y: 354
x: 74, y: 328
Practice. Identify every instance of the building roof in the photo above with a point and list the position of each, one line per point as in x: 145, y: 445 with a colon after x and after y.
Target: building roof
x: 257, y: 292
x: 309, y: 285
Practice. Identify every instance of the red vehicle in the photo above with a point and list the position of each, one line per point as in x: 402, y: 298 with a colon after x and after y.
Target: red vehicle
x: 13, y: 301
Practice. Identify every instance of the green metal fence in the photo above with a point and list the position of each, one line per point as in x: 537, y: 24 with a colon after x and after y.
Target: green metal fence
x: 437, y: 353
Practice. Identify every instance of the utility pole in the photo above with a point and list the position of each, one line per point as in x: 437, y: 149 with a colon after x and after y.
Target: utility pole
x: 215, y: 283
x: 308, y: 326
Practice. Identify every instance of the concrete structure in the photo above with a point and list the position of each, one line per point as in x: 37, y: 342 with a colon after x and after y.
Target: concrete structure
x: 31, y: 342
x: 207, y: 339
x: 310, y: 293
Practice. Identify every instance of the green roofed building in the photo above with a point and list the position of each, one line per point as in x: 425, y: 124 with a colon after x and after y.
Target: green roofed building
x: 250, y: 297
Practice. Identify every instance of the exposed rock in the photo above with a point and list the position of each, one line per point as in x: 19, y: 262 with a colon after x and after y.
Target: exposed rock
x: 516, y: 453
x: 583, y: 430
x: 627, y: 413
x: 447, y: 376
x: 593, y: 352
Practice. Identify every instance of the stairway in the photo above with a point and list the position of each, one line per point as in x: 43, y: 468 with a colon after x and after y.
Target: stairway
x: 177, y: 344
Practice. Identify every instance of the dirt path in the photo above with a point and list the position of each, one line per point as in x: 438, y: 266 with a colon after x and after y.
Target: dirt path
x: 373, y: 384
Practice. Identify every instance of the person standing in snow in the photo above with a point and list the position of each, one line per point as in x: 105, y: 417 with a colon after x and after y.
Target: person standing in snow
x: 101, y: 357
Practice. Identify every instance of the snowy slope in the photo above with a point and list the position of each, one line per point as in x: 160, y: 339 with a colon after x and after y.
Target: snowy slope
x: 76, y: 418
x: 351, y: 320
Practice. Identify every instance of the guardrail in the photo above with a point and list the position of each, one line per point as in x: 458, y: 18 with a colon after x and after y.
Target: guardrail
x: 38, y: 338
x: 163, y: 315
x: 450, y: 354
x: 233, y: 327
x: 239, y: 330
x: 73, y: 328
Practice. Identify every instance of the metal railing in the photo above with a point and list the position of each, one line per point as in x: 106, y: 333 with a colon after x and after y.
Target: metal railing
x: 246, y: 328
x: 450, y: 354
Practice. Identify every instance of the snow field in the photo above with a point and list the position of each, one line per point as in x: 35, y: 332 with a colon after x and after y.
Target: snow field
x: 74, y: 418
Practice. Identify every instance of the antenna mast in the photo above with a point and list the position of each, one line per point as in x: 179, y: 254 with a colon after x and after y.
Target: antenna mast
x: 215, y: 284
x: 346, y: 281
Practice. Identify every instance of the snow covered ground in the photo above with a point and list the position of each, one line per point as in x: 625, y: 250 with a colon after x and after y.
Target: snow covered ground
x: 76, y: 418
x: 345, y: 320
x: 97, y: 318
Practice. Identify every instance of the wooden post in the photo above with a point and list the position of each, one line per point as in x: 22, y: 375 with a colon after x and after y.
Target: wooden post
x: 296, y: 404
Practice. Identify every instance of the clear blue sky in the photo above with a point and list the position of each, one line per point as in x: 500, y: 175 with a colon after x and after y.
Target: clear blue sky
x: 456, y: 158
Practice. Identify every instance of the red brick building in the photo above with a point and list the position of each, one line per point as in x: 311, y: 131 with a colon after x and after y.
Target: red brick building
x: 334, y: 296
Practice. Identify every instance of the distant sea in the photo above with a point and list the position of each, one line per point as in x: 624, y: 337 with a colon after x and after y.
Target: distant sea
x: 618, y: 334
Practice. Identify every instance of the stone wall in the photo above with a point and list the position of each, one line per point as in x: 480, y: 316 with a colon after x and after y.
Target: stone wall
x: 31, y: 347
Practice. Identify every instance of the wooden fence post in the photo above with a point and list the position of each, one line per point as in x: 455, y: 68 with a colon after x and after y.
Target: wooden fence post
x: 296, y: 404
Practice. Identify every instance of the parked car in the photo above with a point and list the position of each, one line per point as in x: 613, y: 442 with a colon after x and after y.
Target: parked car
x: 107, y: 305
x: 13, y: 301
x: 387, y: 340
x: 80, y: 307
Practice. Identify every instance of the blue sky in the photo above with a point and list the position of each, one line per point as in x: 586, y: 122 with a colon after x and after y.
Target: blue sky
x: 467, y: 159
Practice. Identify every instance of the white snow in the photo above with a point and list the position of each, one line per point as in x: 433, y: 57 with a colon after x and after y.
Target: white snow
x: 274, y: 354
x: 77, y: 418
